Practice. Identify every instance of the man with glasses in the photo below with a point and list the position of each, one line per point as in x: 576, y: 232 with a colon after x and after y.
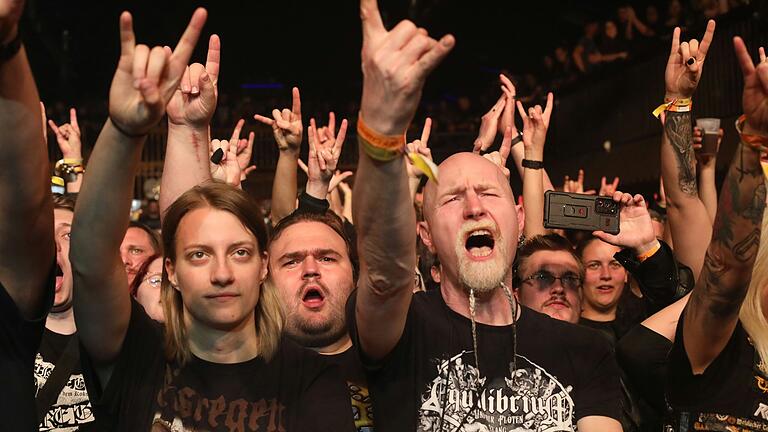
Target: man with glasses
x: 548, y: 277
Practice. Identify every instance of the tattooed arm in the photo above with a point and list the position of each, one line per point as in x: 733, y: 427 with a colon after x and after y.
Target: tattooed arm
x: 688, y: 219
x: 713, y: 309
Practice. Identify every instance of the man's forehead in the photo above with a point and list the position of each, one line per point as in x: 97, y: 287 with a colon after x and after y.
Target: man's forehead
x: 306, y: 236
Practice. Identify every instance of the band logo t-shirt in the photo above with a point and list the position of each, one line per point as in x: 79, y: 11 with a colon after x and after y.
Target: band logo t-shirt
x: 72, y: 410
x: 295, y: 391
x: 430, y: 381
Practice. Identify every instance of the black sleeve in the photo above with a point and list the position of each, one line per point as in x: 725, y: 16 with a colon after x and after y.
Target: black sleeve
x: 599, y: 391
x: 19, y: 341
x: 310, y: 204
x: 642, y: 355
x: 326, y: 402
x: 134, y: 374
x: 662, y: 279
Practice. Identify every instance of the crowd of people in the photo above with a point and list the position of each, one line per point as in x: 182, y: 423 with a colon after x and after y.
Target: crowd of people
x: 422, y: 297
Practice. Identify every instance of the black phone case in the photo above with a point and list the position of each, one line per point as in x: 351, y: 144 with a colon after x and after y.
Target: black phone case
x: 581, y: 212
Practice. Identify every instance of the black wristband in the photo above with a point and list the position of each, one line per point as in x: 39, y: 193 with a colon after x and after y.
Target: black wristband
x: 532, y: 164
x: 9, y: 50
x: 518, y: 138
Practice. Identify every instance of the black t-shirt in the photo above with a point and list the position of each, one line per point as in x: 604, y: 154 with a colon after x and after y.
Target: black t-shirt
x: 354, y: 375
x: 19, y: 339
x: 295, y: 391
x: 561, y: 373
x: 642, y: 354
x: 71, y: 411
x: 731, y: 394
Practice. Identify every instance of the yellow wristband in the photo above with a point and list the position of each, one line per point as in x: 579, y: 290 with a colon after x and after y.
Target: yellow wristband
x: 650, y: 252
x: 378, y: 146
x: 674, y: 105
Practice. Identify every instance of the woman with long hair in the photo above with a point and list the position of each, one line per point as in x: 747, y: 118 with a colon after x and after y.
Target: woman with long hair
x: 218, y: 363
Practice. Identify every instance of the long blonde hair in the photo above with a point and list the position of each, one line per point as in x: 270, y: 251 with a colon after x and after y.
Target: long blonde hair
x: 269, y: 316
x: 751, y: 314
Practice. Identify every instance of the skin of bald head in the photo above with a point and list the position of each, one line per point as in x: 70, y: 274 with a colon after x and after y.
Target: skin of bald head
x: 472, y: 192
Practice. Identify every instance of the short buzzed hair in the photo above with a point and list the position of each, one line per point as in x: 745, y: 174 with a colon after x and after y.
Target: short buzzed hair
x: 546, y: 242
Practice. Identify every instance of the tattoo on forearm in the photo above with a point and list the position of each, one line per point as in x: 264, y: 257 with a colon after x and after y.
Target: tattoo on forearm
x: 678, y: 130
x: 746, y: 249
x: 735, y: 236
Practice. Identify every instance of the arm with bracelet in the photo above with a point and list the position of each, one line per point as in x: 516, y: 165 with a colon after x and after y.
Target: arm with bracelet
x: 688, y: 219
x: 70, y: 167
x: 26, y: 234
x: 382, y: 208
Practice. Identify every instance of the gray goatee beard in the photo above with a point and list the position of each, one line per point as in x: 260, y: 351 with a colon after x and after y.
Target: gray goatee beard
x: 482, y: 276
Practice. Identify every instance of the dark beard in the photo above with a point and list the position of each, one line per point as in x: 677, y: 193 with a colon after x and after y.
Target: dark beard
x: 316, y: 337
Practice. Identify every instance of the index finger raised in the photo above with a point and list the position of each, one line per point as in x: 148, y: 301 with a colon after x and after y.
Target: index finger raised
x: 213, y: 61
x: 189, y: 38
x: 371, y: 18
x: 426, y: 131
x: 706, y: 41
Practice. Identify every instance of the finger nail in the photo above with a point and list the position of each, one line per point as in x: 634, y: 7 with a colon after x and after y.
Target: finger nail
x: 691, y: 61
x: 194, y: 89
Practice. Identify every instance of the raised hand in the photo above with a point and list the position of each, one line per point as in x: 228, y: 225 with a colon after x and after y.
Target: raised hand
x: 286, y: 125
x: 420, y: 146
x: 227, y: 170
x: 324, y: 154
x: 145, y: 79
x: 489, y: 123
x: 499, y: 157
x: 507, y: 119
x: 395, y: 65
x: 68, y: 136
x: 635, y: 227
x: 576, y: 186
x: 686, y: 61
x: 755, y: 96
x: 535, y: 126
x: 194, y: 101
x: 608, y: 189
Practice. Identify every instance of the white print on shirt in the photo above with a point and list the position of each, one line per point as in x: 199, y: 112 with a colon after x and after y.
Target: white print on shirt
x: 762, y: 411
x: 532, y: 401
x: 72, y: 407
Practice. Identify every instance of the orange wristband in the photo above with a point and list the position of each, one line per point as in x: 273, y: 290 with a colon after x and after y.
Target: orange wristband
x: 674, y: 105
x: 378, y: 146
x: 650, y: 253
x: 758, y: 143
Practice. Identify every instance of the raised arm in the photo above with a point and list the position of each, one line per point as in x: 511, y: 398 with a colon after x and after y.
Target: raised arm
x: 713, y: 309
x: 26, y: 234
x: 420, y: 146
x: 101, y: 298
x: 395, y: 65
x: 68, y: 139
x: 288, y: 131
x: 688, y: 218
x: 707, y: 165
x: 189, y: 115
x: 535, y: 125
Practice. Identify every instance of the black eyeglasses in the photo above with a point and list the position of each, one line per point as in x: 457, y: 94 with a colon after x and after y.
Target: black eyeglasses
x: 545, y: 279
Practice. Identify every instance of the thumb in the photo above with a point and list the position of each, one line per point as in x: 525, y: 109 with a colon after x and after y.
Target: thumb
x: 371, y: 18
x: 207, y: 89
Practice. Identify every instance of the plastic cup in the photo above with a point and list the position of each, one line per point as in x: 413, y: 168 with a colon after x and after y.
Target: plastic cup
x: 711, y: 129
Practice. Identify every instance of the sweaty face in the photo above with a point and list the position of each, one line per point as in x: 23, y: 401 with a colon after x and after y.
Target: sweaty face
x: 62, y: 220
x: 136, y: 248
x: 472, y: 222
x: 218, y: 270
x: 556, y: 300
x: 604, y: 276
x: 148, y: 293
x: 311, y: 270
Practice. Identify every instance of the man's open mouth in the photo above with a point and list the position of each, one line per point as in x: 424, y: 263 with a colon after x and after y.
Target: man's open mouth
x: 479, y: 243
